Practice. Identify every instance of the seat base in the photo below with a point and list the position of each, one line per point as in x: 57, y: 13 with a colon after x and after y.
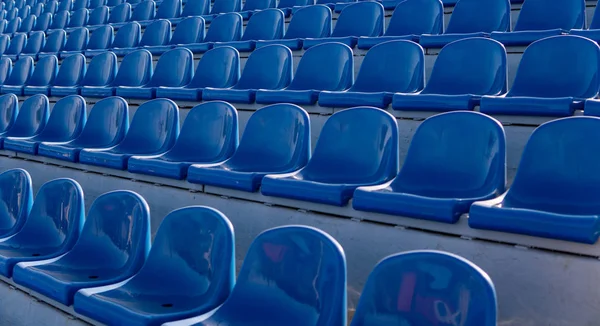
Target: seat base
x: 61, y: 152
x: 323, y: 193
x: 107, y: 159
x: 229, y: 95
x: 348, y: 40
x: 366, y: 43
x: 294, y: 44
x: 287, y: 96
x: 179, y: 93
x: 350, y: 99
x: 434, y: 102
x: 522, y: 38
x: 439, y: 41
x: 217, y: 176
x: 532, y: 106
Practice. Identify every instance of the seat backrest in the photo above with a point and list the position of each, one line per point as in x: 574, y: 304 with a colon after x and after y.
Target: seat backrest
x: 595, y: 24
x: 541, y: 15
x: 12, y: 26
x: 168, y: 9
x: 225, y: 28
x: 189, y: 31
x: 310, y: 22
x: 470, y: 16
x: 60, y: 20
x: 5, y: 69
x: 79, y: 18
x: 35, y: 43
x: 327, y: 66
x: 32, y: 117
x: 157, y: 33
x: 302, y: 280
x: 401, y: 286
x: 471, y: 66
x: 37, y: 9
x: 265, y: 25
x: 268, y: 67
x: 135, y: 69
x: 51, y: 6
x: 219, y: 68
x: 9, y: 108
x: 65, y: 5
x: 120, y: 13
x: 250, y: 5
x: 107, y: 124
x: 24, y: 12
x: 22, y: 70
x: 78, y: 39
x: 365, y: 18
x: 225, y: 6
x: 44, y: 71
x: 3, y: 23
x: 43, y: 21
x: 4, y: 42
x: 295, y: 3
x: 416, y: 17
x: 143, y: 11
x: 79, y: 4
x: 174, y: 68
x: 71, y: 72
x: 12, y: 14
x: 101, y: 71
x: 55, y: 41
x: 276, y: 135
x: 114, y: 3
x: 395, y: 66
x: 128, y: 36
x: 17, y: 43
x: 16, y: 198
x: 196, y: 8
x: 101, y: 38
x: 96, y: 4
x: 98, y: 16
x: 27, y: 24
x: 560, y: 66
x: 66, y: 120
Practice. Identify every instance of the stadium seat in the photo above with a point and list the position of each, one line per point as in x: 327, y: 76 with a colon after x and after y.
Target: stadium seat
x: 50, y: 230
x: 325, y: 67
x: 27, y: 24
x: 464, y: 71
x: 94, y: 4
x: 289, y: 260
x: 31, y: 119
x: 253, y: 6
x: 35, y: 43
x: 539, y: 19
x: 454, y: 159
x: 106, y: 127
x: 76, y: 42
x: 287, y: 6
x: 188, y: 31
x: 120, y: 14
x: 12, y: 26
x: 42, y: 23
x: 111, y: 248
x: 365, y: 18
x: 4, y: 42
x: 593, y: 32
x: 174, y: 283
x: 79, y: 18
x: 79, y: 4
x: 3, y: 23
x: 388, y: 68
x: 55, y: 41
x: 42, y: 77
x: 114, y: 3
x: 209, y: 135
x: 5, y: 71
x: 21, y: 72
x: 16, y: 200
x: 9, y: 108
x: 70, y: 74
x: 554, y: 78
x: 143, y: 11
x: 60, y: 20
x: 276, y: 140
x: 16, y: 45
x: 550, y: 186
x: 400, y: 289
x: 410, y: 20
x: 264, y: 25
x: 223, y: 7
x: 192, y: 9
x: 100, y: 39
x: 11, y: 16
x: 269, y: 67
x: 218, y: 68
x: 98, y: 16
x: 166, y: 10
x: 127, y: 37
x: 224, y: 28
x: 23, y: 12
x: 154, y: 130
x: 157, y: 33
x: 37, y: 9
x: 100, y: 74
x: 65, y: 5
x: 50, y: 7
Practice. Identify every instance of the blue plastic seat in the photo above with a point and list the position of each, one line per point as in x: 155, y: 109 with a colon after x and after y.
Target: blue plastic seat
x: 100, y: 73
x: 143, y: 11
x: 35, y: 43
x: 365, y: 18
x: 175, y: 282
x: 554, y: 78
x: 79, y: 18
x: 98, y: 16
x: 16, y: 45
x: 79, y: 4
x: 276, y: 140
x: 224, y: 28
x: 209, y: 135
x: 93, y: 4
x: 264, y: 25
x: 289, y: 260
x: 223, y: 7
x: 253, y: 6
x: 12, y: 26
x: 157, y: 33
x: 4, y: 43
x: 5, y: 69
x: 454, y: 159
x: 100, y: 39
x: 60, y: 20
x: 539, y: 19
x: 21, y: 72
x: 287, y: 6
x: 76, y: 42
x: 270, y: 67
x: 11, y: 16
x: 356, y: 147
x: 464, y: 71
x: 173, y: 69
x: 3, y: 24
x: 472, y: 18
x: 166, y: 10
x: 27, y: 24
x: 192, y: 9
x: 390, y: 67
x: 55, y: 41
x: 9, y: 108
x: 410, y: 20
x: 50, y: 6
x: 42, y: 77
x: 112, y: 247
x: 549, y: 186
x: 42, y: 23
x: 65, y: 5
x: 120, y: 14
x: 153, y: 131
x: 325, y: 67
x: 71, y: 72
x: 37, y: 9
x: 426, y: 287
x: 24, y: 12
x: 106, y: 126
x: 190, y: 30
x: 593, y: 32
x: 127, y: 37
x: 31, y: 119
x: 50, y: 230
x: 16, y: 200
x: 218, y: 68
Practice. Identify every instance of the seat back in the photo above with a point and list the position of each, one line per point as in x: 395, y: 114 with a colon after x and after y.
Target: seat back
x: 143, y: 11
x: 16, y: 199
x: 168, y: 9
x: 157, y: 33
x: 395, y: 66
x: 120, y: 13
x: 128, y: 36
x: 276, y: 136
x: 43, y: 21
x: 79, y: 18
x: 50, y: 7
x: 327, y: 66
x: 99, y: 16
x: 225, y: 6
x: 294, y: 3
x: 60, y: 20
x: 32, y: 117
x: 225, y: 28
x: 23, y: 12
x: 189, y: 31
x: 416, y: 17
x: 542, y: 15
x: 65, y: 5
x: 4, y: 42
x: 135, y: 69
x: 471, y: 66
x: 79, y: 4
x: 196, y: 8
x: 101, y: 71
x: 310, y: 22
x: 37, y: 9
x: 12, y: 26
x: 11, y: 15
x: 9, y: 108
x: 268, y: 67
x: 400, y: 287
x: 55, y: 41
x: 219, y: 68
x: 251, y: 5
x: 365, y: 18
x: 114, y: 3
x: 66, y: 120
x: 17, y: 43
x: 560, y: 66
x: 77, y: 39
x: 173, y: 69
x: 265, y: 25
x: 22, y: 70
x: 71, y: 72
x: 35, y: 43
x: 44, y: 71
x: 107, y: 124
x: 27, y: 24
x: 96, y: 4
x: 471, y: 16
x: 3, y: 23
x: 595, y: 24
x: 101, y: 38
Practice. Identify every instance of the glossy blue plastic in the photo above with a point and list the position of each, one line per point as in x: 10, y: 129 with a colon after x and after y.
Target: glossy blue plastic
x: 594, y: 29
x: 388, y: 68
x: 224, y: 28
x: 554, y: 77
x: 156, y: 33
x: 93, y: 4
x: 16, y: 199
x: 101, y: 38
x: 12, y: 26
x: 454, y: 159
x: 154, y: 130
x: 106, y: 127
x: 218, y: 68
x: 410, y: 20
x: 270, y: 67
x: 166, y: 10
x: 37, y: 9
x: 22, y: 70
x: 54, y: 43
x: 70, y: 74
x: 553, y: 192
x: 427, y: 287
x: 4, y: 43
x: 65, y: 5
x: 43, y: 75
x: 224, y: 6
x: 190, y: 271
x: 27, y: 24
x: 79, y: 4
x: 263, y: 25
x: 60, y: 20
x: 293, y: 276
x: 66, y: 121
x: 276, y: 140
x: 364, y: 18
x: 43, y: 21
x: 143, y: 11
x: 127, y: 37
x: 23, y: 12
x: 31, y: 119
x: 114, y: 3
x: 120, y: 14
x: 192, y: 9
x: 112, y: 247
x: 254, y: 6
x: 79, y: 18
x: 98, y: 16
x: 464, y: 71
x: 100, y: 73
x: 209, y: 135
x: 16, y: 45
x: 51, y: 6
x: 52, y: 226
x: 35, y: 43
x: 325, y: 67
x: 188, y: 31
x: 76, y: 42
x: 9, y: 108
